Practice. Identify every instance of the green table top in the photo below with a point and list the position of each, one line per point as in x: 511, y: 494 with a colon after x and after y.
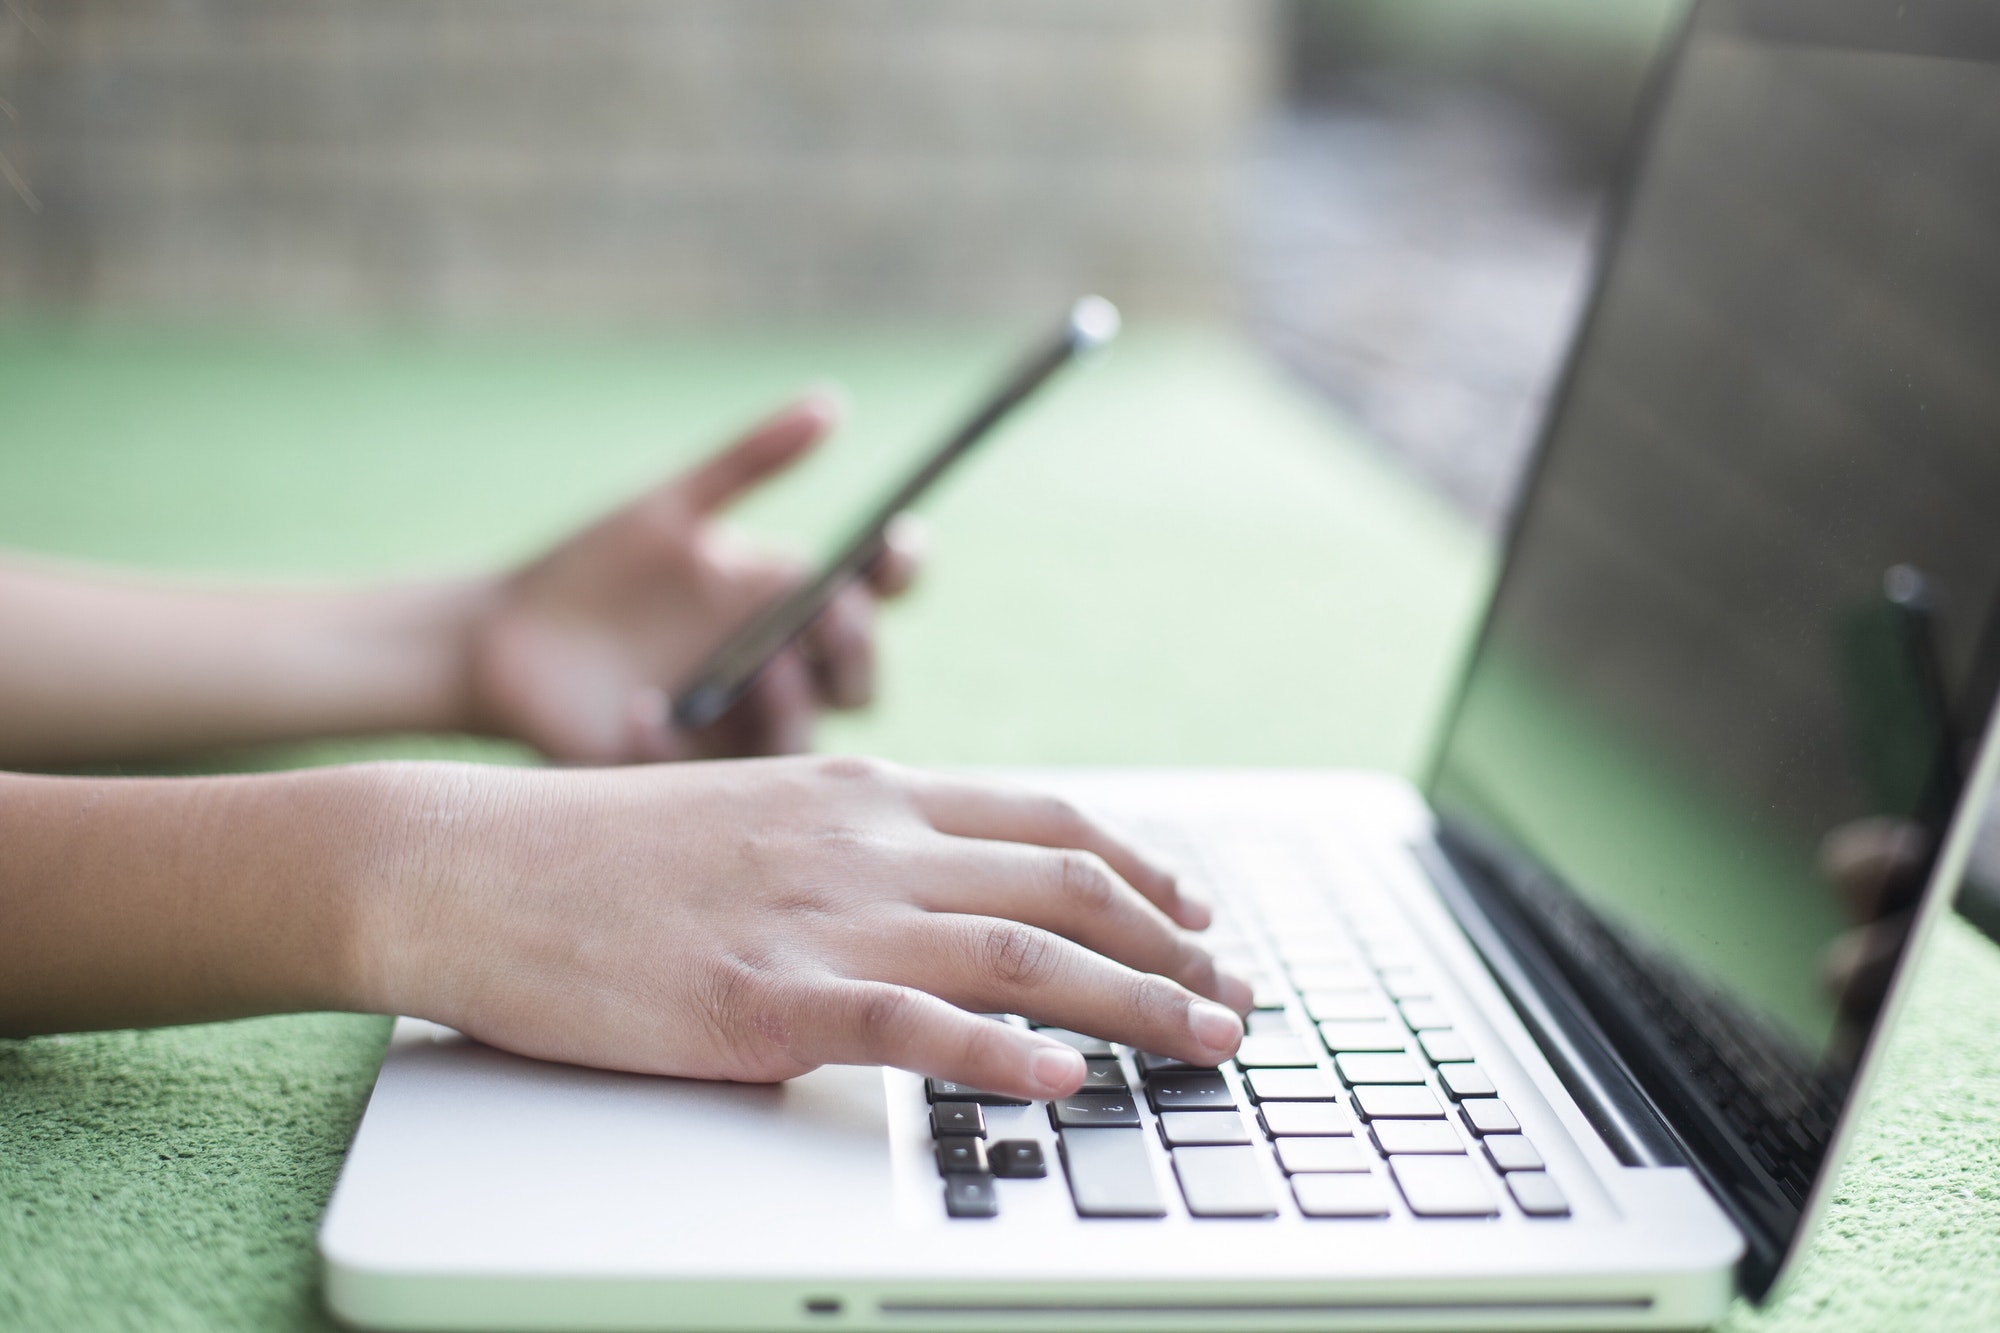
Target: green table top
x: 1172, y: 558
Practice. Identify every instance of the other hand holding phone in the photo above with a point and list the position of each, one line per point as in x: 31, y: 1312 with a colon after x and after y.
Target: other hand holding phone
x: 659, y: 634
x: 574, y: 652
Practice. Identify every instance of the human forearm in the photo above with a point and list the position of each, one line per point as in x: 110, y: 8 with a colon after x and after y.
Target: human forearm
x: 133, y: 902
x: 730, y: 920
x: 96, y: 665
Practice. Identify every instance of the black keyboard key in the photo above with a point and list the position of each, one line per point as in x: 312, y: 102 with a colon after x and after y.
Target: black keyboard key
x: 944, y: 1090
x: 1199, y: 1090
x: 1379, y: 1068
x: 959, y: 1155
x: 1110, y: 1173
x: 1537, y: 1194
x: 1290, y: 1085
x: 1386, y: 1102
x: 971, y: 1196
x: 1443, y: 1045
x: 1095, y: 1109
x: 1512, y: 1152
x: 1282, y: 1119
x: 948, y: 1118
x: 1444, y: 1186
x: 1150, y: 1064
x: 1375, y: 1036
x: 1488, y: 1115
x: 1084, y: 1045
x: 1224, y: 1182
x: 1103, y: 1075
x: 1415, y: 1136
x: 1186, y: 1129
x: 1301, y: 1155
x: 1327, y: 1195
x: 1275, y: 1053
x: 1467, y: 1080
x: 1017, y: 1159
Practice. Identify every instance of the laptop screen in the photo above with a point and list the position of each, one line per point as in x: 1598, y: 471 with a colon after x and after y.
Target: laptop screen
x: 1743, y: 642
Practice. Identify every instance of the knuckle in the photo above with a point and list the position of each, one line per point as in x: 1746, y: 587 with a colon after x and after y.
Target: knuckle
x: 853, y: 769
x: 1017, y: 955
x: 1085, y: 882
x: 1064, y: 819
x: 1156, y: 1001
x: 984, y: 1046
x: 1198, y: 965
x: 882, y: 1015
x: 807, y: 899
x: 748, y: 1000
x: 760, y: 854
x: 838, y: 843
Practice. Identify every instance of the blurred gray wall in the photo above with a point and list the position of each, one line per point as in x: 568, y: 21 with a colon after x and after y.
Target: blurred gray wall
x: 474, y: 160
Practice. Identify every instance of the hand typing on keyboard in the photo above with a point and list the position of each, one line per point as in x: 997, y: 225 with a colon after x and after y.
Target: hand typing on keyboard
x: 753, y: 920
x: 1356, y: 1088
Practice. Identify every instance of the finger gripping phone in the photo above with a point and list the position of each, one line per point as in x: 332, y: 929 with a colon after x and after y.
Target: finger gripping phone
x: 735, y: 666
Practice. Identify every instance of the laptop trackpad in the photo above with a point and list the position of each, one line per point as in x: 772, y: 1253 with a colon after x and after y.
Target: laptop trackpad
x: 470, y: 1156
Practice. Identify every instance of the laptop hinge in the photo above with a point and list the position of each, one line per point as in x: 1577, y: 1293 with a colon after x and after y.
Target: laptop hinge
x: 1593, y: 1072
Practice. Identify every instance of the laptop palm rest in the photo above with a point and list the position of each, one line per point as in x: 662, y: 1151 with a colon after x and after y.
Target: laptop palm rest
x: 547, y: 1167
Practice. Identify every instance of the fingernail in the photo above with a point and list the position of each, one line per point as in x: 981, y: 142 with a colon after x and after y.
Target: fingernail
x: 1196, y: 914
x: 1237, y: 993
x: 1059, y: 1069
x: 827, y: 399
x: 1214, y: 1026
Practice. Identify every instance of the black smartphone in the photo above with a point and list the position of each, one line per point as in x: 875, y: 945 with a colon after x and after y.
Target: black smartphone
x: 722, y: 680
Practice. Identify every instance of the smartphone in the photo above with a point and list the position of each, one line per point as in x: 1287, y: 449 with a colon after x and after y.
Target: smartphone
x: 723, y: 679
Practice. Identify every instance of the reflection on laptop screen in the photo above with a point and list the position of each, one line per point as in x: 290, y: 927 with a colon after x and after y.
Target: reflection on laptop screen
x: 1741, y: 648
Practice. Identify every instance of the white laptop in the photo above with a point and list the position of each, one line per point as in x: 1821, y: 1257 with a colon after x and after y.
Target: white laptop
x: 1568, y: 1037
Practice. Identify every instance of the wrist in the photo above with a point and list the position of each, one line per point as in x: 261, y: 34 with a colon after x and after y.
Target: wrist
x: 434, y: 631
x: 425, y: 842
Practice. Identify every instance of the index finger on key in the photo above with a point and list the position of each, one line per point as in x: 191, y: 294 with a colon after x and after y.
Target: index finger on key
x: 980, y: 810
x: 867, y: 1022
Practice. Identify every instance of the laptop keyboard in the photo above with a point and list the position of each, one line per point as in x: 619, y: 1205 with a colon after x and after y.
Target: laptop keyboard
x: 1779, y: 1105
x: 1354, y: 1094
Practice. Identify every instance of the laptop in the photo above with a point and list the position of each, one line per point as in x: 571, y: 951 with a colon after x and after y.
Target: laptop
x: 1568, y: 1035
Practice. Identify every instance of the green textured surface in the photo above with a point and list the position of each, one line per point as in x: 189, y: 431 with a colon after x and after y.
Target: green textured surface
x: 173, y: 1179
x: 1174, y: 559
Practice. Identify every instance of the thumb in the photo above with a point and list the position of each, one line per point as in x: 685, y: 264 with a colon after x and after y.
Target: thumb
x: 767, y: 449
